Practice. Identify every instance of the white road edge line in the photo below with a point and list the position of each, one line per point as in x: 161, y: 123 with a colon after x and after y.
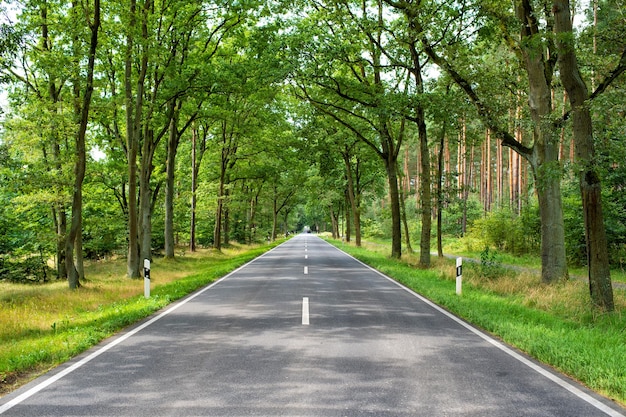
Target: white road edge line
x: 305, y: 311
x: 172, y: 307
x: 552, y: 377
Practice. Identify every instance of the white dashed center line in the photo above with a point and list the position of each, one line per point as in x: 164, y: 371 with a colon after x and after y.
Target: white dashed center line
x: 305, y: 311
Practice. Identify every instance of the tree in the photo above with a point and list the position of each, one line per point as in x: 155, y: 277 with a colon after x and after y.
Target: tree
x: 51, y: 74
x: 73, y: 243
x: 189, y: 88
x: 600, y: 286
x: 542, y: 154
x: 346, y: 80
x: 198, y: 148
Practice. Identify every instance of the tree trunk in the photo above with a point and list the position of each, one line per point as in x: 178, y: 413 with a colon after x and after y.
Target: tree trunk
x: 394, y: 197
x: 134, y: 111
x: 440, y: 163
x: 424, y: 157
x: 217, y: 228
x: 600, y: 286
x: 253, y: 206
x: 194, y: 187
x: 544, y: 160
x: 347, y: 216
x: 425, y: 193
x: 73, y: 241
x: 274, y: 215
x: 172, y: 146
x: 553, y: 259
x: 198, y: 149
x: 60, y: 220
x: 405, y: 224
x: 334, y: 223
x: 58, y: 209
x: 352, y: 199
x: 147, y: 197
x: 226, y: 221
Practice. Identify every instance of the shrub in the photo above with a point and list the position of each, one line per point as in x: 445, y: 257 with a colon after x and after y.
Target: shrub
x: 490, y: 266
x: 508, y: 232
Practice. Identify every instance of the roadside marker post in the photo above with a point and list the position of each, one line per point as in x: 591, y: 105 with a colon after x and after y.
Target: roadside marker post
x: 459, y: 275
x: 146, y: 278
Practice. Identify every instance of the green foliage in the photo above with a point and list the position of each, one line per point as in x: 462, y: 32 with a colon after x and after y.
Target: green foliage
x: 490, y: 265
x: 452, y: 215
x: 29, y: 269
x: 376, y: 222
x: 509, y: 232
x: 574, y: 226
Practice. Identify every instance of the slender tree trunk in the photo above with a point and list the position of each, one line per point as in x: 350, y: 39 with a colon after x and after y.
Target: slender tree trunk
x: 394, y: 201
x: 600, y: 286
x: 348, y: 225
x: 194, y: 188
x: 146, y: 196
x: 334, y: 223
x: 405, y: 224
x: 134, y: 111
x: 60, y: 219
x: 499, y: 175
x: 59, y: 211
x: 198, y: 149
x: 440, y: 159
x: 172, y: 146
x: 74, y: 242
x: 352, y: 199
x: 217, y: 229
x: 424, y: 158
x: 274, y: 216
x: 253, y: 208
x: 226, y: 220
x: 425, y: 192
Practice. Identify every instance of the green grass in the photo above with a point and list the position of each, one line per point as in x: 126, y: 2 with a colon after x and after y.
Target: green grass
x: 554, y: 324
x: 42, y: 326
x: 467, y: 248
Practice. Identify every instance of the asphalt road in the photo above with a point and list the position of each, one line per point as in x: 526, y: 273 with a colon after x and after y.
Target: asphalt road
x: 246, y: 346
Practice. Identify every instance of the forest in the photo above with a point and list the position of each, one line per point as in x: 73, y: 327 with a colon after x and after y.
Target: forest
x: 141, y: 128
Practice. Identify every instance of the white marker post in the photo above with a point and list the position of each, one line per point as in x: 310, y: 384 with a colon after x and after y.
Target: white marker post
x: 146, y: 278
x: 459, y: 275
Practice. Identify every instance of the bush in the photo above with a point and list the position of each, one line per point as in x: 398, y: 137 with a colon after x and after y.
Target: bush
x: 508, y: 232
x: 30, y: 269
x: 452, y: 215
x: 490, y: 266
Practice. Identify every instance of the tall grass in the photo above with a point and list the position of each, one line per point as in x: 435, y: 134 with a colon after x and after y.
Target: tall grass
x: 44, y: 325
x: 555, y: 324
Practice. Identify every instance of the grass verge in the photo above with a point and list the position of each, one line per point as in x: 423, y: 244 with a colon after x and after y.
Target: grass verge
x: 42, y: 326
x: 554, y: 324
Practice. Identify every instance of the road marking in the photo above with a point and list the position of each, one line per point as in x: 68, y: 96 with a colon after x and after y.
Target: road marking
x: 306, y: 270
x: 306, y: 256
x: 305, y: 311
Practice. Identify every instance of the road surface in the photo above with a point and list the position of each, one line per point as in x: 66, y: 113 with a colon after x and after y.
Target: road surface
x: 304, y: 330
